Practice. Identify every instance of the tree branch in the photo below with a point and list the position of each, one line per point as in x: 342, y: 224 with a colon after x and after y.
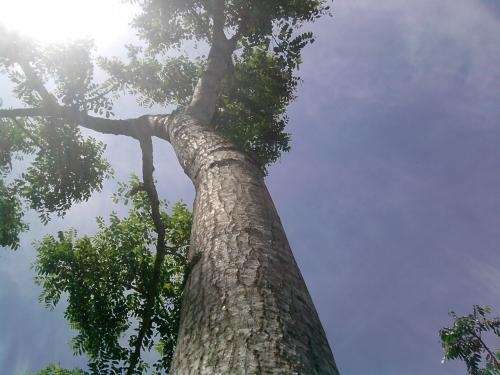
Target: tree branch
x: 161, y: 248
x: 152, y: 125
x: 218, y: 15
x: 136, y: 128
x: 206, y: 93
x: 488, y: 350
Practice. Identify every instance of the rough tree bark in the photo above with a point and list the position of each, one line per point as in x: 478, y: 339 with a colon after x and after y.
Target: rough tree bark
x: 246, y: 308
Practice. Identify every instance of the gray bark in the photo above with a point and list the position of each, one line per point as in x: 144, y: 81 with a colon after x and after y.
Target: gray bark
x: 246, y: 308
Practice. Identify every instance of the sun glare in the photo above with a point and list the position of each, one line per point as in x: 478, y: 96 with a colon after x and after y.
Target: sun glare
x: 55, y: 21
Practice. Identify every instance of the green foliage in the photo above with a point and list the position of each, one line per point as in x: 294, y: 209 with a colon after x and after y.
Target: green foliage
x: 253, y: 105
x: 57, y: 370
x: 71, y: 67
x: 255, y: 95
x: 11, y: 224
x: 13, y: 143
x: 12, y: 146
x: 170, y: 81
x: 63, y: 167
x: 106, y: 278
x: 166, y: 24
x: 66, y: 169
x: 464, y: 340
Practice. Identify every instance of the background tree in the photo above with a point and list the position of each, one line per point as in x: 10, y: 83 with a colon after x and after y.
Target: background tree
x: 57, y: 370
x: 245, y: 308
x: 465, y: 340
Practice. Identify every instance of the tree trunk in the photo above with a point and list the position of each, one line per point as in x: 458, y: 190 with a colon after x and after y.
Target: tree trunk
x: 246, y: 308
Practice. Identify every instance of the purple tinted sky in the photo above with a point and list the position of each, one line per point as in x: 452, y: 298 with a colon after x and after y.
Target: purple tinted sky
x: 390, y: 196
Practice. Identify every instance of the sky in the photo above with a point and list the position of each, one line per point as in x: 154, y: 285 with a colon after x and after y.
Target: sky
x: 390, y: 196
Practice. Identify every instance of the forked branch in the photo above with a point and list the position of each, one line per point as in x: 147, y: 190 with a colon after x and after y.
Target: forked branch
x: 207, y: 90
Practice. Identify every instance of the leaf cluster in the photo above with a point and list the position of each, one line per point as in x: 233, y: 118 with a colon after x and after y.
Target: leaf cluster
x: 464, y: 340
x: 61, y: 168
x: 169, y: 81
x: 67, y: 68
x: 11, y: 215
x: 167, y: 24
x: 12, y: 144
x: 253, y: 105
x: 66, y: 169
x: 106, y: 278
x: 71, y: 68
x: 57, y: 370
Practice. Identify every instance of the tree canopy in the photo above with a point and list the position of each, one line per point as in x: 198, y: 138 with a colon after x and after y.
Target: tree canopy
x: 267, y: 38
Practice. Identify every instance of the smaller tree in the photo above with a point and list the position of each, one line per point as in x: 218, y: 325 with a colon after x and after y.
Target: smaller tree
x: 464, y: 340
x: 116, y: 288
x: 57, y: 370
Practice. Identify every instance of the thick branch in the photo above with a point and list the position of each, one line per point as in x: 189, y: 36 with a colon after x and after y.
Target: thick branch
x: 150, y: 125
x: 136, y: 127
x: 218, y: 18
x: 206, y: 93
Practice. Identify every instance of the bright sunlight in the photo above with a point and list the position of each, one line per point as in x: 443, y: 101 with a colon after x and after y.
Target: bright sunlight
x: 54, y: 21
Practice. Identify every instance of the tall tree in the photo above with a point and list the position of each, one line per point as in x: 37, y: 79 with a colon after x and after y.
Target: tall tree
x: 246, y: 308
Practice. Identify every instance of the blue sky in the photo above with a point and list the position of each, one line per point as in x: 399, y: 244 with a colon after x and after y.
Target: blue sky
x: 390, y: 196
